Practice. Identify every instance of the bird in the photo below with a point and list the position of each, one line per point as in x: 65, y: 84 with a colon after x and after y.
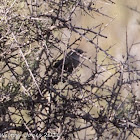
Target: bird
x: 72, y: 60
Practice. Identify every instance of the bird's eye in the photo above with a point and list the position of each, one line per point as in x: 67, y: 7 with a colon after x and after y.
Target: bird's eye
x: 80, y: 51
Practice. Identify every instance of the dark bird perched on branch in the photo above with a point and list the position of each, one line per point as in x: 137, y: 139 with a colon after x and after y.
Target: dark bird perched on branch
x: 72, y: 60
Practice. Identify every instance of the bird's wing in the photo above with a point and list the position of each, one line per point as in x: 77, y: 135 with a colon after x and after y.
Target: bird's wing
x: 58, y: 64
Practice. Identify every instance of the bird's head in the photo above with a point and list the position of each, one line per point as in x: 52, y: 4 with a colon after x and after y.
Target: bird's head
x: 78, y: 51
x: 75, y: 52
